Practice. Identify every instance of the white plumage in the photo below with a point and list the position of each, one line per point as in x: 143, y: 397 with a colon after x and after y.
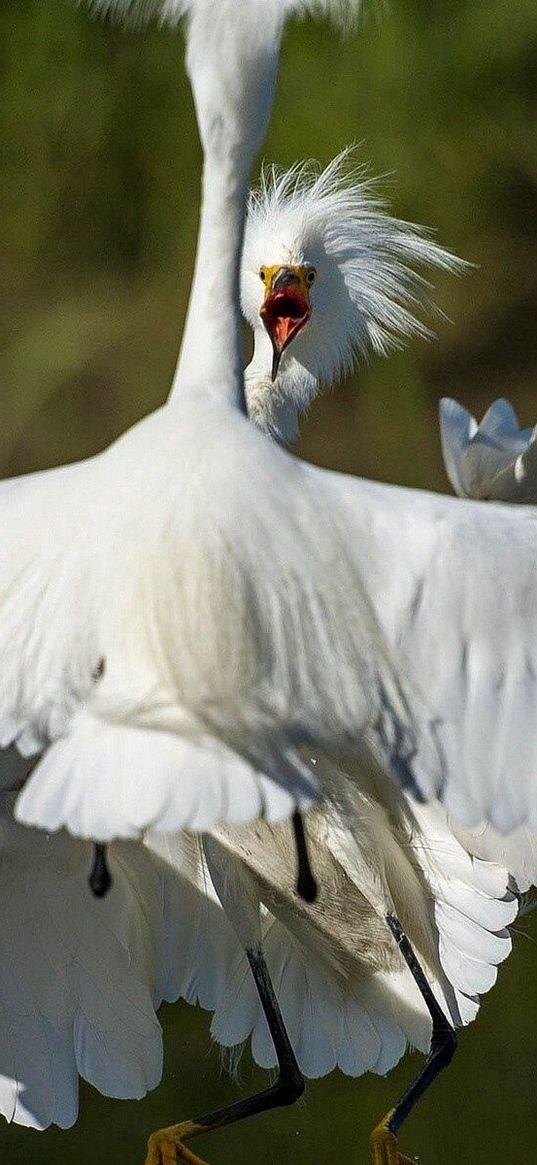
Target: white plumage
x: 79, y: 978
x: 342, y: 12
x: 336, y: 970
x: 66, y: 640
x: 369, y: 284
x: 465, y: 635
x: 346, y: 994
x: 495, y: 460
x: 93, y: 659
x: 247, y: 623
x: 170, y: 610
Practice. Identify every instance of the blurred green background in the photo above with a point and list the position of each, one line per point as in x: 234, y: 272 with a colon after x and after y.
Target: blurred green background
x: 98, y: 216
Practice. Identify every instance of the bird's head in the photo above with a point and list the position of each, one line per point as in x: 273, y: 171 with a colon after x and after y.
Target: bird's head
x: 328, y: 275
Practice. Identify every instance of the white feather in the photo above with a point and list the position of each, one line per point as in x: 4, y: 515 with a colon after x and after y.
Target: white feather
x: 77, y: 975
x: 493, y: 460
x: 113, y: 780
x: 347, y: 997
x: 173, y: 608
x: 369, y: 282
x: 517, y: 852
x: 271, y: 644
x: 467, y: 635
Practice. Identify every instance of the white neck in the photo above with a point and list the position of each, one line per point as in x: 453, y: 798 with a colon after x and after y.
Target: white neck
x: 210, y: 353
x: 232, y: 60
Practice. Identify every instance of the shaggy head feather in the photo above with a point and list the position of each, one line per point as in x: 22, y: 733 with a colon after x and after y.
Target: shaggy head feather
x: 368, y: 286
x: 341, y: 12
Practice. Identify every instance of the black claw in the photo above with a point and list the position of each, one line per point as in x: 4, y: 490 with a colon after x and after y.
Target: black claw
x: 100, y: 878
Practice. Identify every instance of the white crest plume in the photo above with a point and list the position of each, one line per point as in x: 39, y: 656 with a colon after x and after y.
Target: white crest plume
x: 133, y: 12
x: 369, y: 284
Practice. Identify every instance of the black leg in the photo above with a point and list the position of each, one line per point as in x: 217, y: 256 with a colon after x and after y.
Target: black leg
x: 100, y: 878
x: 443, y: 1044
x: 166, y: 1147
x: 306, y: 886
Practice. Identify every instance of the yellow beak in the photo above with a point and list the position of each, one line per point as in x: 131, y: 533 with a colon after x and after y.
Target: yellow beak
x: 286, y: 307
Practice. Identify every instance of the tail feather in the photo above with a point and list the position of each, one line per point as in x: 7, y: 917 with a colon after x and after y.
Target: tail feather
x: 78, y: 977
x: 517, y: 851
x: 473, y: 907
x: 359, y: 1040
x: 198, y: 945
x: 330, y: 1022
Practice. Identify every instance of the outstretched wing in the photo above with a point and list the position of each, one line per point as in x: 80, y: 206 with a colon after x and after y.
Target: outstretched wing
x: 453, y: 585
x: 46, y: 648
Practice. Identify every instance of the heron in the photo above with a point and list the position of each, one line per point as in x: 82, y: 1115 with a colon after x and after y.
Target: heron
x: 370, y: 1005
x: 44, y: 578
x: 316, y: 954
x: 107, y: 700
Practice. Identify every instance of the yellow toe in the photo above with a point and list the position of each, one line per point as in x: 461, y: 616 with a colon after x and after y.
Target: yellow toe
x: 167, y: 1147
x: 383, y: 1145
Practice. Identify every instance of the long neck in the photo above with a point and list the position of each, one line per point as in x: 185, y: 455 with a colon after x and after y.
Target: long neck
x: 232, y: 61
x: 210, y: 353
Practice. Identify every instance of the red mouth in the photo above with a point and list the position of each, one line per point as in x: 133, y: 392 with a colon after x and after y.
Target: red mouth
x: 284, y: 313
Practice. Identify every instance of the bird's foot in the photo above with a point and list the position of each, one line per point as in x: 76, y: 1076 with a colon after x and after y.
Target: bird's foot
x: 383, y: 1145
x: 167, y: 1146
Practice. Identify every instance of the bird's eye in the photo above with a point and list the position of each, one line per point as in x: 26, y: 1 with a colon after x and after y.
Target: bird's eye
x: 310, y: 277
x: 262, y: 274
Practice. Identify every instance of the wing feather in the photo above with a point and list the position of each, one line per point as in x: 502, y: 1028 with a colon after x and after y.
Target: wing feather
x: 114, y: 780
x: 452, y: 583
x: 79, y: 978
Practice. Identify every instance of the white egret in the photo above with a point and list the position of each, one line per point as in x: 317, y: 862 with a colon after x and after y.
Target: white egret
x: 495, y: 460
x: 268, y: 634
x: 347, y: 996
x: 55, y: 583
x: 368, y: 983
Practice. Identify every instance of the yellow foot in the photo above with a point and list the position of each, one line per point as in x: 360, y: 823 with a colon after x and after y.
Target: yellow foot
x: 167, y: 1147
x: 383, y: 1145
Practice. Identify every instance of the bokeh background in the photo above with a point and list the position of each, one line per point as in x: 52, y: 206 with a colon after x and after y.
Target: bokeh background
x: 98, y: 215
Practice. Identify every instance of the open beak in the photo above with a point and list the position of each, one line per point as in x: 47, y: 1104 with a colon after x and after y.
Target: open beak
x: 286, y: 308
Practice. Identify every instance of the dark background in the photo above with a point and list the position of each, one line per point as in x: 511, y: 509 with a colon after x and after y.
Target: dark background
x: 98, y: 217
